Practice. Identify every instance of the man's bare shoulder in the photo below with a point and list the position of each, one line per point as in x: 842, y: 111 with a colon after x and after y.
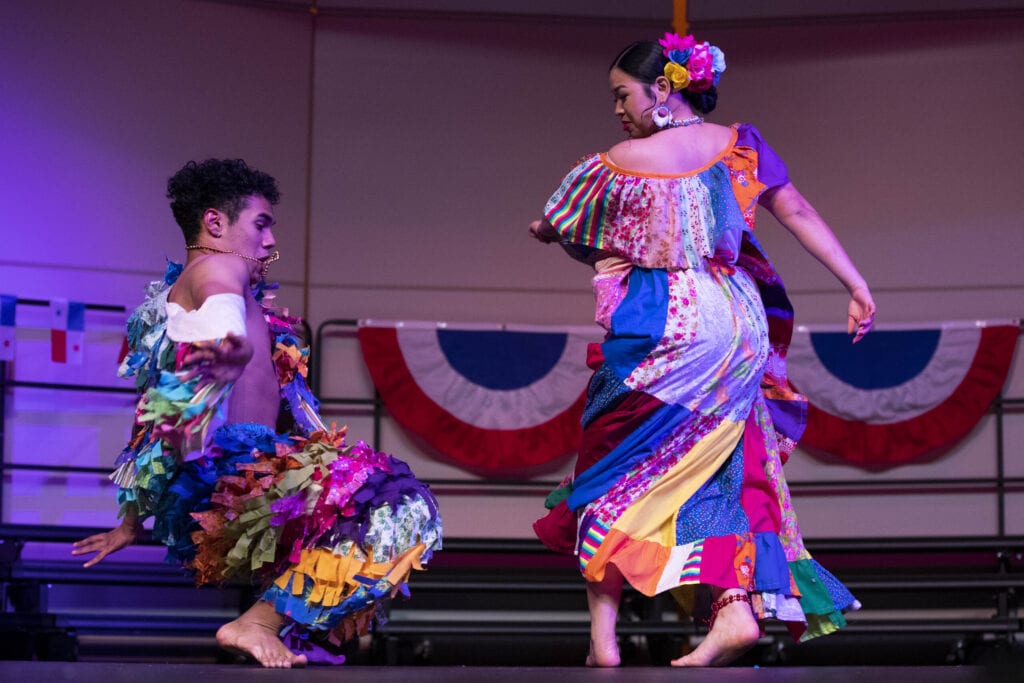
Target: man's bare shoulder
x: 215, y: 274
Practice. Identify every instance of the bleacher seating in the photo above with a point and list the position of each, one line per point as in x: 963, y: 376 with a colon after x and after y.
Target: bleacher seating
x: 495, y: 601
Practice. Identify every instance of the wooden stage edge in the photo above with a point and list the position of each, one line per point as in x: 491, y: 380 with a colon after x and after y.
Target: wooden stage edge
x: 118, y: 672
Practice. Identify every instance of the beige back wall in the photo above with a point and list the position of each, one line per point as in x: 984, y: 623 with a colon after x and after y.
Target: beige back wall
x: 435, y: 139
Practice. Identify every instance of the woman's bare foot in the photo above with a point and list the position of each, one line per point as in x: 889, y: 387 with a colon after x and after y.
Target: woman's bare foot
x: 255, y: 634
x: 734, y: 632
x: 603, y: 601
x: 603, y: 656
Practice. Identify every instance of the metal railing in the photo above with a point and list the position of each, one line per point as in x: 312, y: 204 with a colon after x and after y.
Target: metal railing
x: 6, y: 384
x: 1000, y: 485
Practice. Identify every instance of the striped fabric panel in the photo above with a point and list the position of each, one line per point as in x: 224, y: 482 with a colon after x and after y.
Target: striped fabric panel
x: 691, y: 569
x: 577, y: 210
x: 591, y: 541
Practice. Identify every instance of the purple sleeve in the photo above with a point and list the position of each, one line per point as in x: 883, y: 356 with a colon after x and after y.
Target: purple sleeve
x: 771, y: 169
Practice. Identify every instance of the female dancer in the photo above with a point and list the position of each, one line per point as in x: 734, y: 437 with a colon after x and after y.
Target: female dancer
x: 689, y: 415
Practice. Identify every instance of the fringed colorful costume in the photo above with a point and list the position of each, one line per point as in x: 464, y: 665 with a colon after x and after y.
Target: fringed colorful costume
x: 328, y: 530
x: 689, y: 415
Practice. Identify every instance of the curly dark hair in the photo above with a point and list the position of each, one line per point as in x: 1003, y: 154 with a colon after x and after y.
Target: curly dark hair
x: 222, y: 184
x: 644, y: 61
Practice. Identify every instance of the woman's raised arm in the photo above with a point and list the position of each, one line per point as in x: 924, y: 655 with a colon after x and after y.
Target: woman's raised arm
x: 798, y: 216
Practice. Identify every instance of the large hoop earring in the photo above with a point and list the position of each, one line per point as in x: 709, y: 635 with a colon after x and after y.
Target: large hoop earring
x: 661, y: 116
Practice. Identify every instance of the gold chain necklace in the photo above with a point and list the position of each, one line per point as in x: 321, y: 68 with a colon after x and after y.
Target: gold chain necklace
x: 264, y: 262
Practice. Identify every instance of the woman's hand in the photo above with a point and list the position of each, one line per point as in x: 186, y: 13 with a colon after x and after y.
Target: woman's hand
x: 108, y: 542
x: 221, y: 362
x: 860, y: 314
x: 543, y: 231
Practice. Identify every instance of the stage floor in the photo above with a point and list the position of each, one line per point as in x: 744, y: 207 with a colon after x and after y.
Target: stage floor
x: 118, y: 672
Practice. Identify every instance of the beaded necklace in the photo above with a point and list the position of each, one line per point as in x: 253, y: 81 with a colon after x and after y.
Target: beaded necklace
x: 685, y: 122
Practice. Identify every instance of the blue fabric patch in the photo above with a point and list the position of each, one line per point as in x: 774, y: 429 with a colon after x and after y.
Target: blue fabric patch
x: 603, y: 393
x: 172, y: 521
x: 638, y: 446
x: 879, y: 361
x: 317, y: 617
x: 294, y: 393
x: 771, y: 570
x: 724, y: 206
x: 194, y: 483
x: 242, y: 437
x: 172, y: 272
x: 715, y: 509
x: 638, y: 323
x: 502, y: 361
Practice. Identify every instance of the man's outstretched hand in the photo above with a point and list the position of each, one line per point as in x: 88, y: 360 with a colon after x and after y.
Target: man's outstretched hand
x: 107, y: 542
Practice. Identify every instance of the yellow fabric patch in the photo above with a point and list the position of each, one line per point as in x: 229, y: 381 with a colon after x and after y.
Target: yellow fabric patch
x: 653, y: 517
x: 640, y: 541
x: 333, y: 577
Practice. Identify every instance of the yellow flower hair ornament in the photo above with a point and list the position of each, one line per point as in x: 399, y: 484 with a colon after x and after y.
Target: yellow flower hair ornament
x: 691, y: 65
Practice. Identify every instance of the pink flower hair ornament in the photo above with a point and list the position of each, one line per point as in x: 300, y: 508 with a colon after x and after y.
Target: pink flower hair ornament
x: 691, y: 65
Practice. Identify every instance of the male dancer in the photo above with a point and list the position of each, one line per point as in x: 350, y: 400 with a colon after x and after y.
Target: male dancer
x: 213, y: 363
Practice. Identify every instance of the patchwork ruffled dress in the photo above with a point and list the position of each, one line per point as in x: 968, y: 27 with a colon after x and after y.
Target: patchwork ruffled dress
x: 328, y: 530
x: 689, y: 415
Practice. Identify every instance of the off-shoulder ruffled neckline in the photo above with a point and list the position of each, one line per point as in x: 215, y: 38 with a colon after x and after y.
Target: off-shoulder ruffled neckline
x: 718, y: 157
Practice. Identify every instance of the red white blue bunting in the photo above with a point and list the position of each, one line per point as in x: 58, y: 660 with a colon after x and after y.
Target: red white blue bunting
x: 493, y: 399
x: 900, y: 395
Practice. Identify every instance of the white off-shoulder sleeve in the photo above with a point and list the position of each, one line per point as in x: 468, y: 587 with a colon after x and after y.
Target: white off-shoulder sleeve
x: 219, y: 315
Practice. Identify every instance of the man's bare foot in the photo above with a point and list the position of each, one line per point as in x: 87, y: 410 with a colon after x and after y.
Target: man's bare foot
x: 734, y: 632
x: 255, y: 634
x: 603, y: 656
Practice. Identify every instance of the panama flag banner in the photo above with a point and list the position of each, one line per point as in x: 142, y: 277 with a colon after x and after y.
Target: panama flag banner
x: 67, y: 331
x: 495, y: 399
x: 900, y: 395
x: 8, y: 304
